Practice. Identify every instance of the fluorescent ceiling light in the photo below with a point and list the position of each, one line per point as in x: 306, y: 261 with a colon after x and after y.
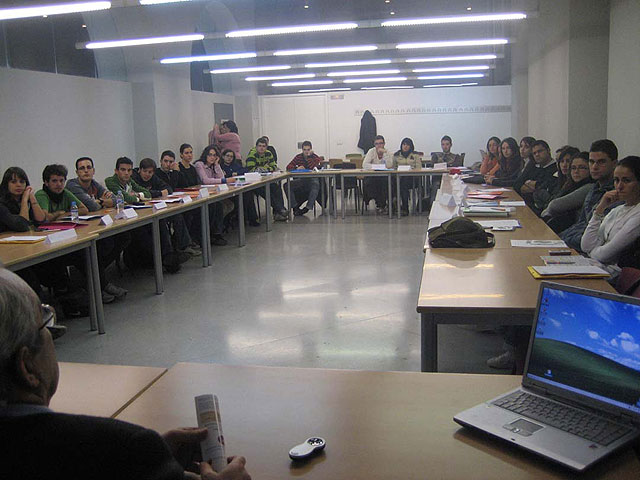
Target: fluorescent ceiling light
x: 281, y: 77
x: 488, y: 56
x: 451, y: 85
x: 257, y: 32
x: 490, y: 17
x: 380, y: 79
x: 454, y: 43
x: 42, y: 10
x: 387, y: 87
x: 145, y: 41
x: 354, y: 63
x: 313, y: 51
x: 266, y: 68
x: 158, y: 2
x: 313, y: 90
x: 209, y: 58
x: 294, y: 84
x: 363, y: 72
x: 438, y: 77
x: 451, y: 69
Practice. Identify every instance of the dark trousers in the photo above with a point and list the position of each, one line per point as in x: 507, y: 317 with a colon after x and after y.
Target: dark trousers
x: 277, y: 199
x: 304, y: 189
x: 249, y: 201
x: 406, y: 184
x: 376, y: 188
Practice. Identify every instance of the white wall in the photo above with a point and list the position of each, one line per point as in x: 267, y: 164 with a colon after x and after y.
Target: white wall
x: 400, y: 113
x: 623, y: 119
x: 47, y: 118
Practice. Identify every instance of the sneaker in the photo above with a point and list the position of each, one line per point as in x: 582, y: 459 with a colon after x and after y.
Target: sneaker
x: 114, y: 290
x: 280, y: 217
x: 254, y: 223
x: 404, y: 213
x: 183, y: 257
x: 107, y: 297
x: 505, y: 361
x: 304, y: 210
x: 171, y: 262
x: 192, y: 251
x: 298, y: 212
x: 218, y: 240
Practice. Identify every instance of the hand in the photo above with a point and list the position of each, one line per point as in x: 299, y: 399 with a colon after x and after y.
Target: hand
x: 27, y: 195
x: 231, y: 180
x: 234, y: 471
x: 608, y: 199
x: 164, y: 192
x: 184, y: 444
x: 488, y: 179
x: 528, y: 187
x: 175, y: 166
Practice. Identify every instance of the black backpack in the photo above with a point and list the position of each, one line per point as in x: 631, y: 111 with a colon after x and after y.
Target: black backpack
x: 460, y: 232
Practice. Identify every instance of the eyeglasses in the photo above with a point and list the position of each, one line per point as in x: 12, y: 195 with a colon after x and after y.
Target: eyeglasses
x: 579, y: 167
x: 49, y: 321
x: 601, y: 162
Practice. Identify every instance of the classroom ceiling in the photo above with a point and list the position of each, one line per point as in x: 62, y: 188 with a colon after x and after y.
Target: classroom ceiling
x: 214, y: 18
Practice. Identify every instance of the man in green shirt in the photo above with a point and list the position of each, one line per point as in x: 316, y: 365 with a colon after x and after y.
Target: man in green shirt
x: 54, y: 199
x: 260, y: 159
x: 122, y: 181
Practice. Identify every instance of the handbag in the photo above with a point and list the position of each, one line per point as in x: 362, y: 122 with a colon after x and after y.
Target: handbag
x: 460, y: 232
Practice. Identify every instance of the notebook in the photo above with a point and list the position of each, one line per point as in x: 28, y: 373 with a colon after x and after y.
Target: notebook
x: 580, y: 395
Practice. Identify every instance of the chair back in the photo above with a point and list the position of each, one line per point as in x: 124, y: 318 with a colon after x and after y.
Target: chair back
x: 355, y: 158
x: 345, y: 166
x: 629, y: 282
x: 334, y: 161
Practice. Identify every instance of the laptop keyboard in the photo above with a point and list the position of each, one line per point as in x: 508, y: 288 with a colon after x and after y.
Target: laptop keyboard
x: 572, y: 420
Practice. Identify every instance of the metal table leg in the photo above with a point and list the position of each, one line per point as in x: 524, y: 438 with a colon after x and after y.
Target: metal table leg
x: 204, y: 225
x: 93, y: 326
x: 267, y: 198
x: 390, y: 200
x: 157, y: 256
x: 97, y: 288
x: 289, y: 211
x: 429, y: 343
x: 334, y: 197
x: 241, y: 234
x: 398, y: 194
x: 342, y: 205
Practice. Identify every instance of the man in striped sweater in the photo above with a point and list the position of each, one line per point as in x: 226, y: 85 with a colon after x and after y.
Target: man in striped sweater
x: 304, y: 187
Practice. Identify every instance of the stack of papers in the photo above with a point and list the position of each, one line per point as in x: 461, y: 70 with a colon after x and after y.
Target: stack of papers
x: 22, y: 239
x: 568, y: 271
x: 512, y: 203
x: 500, y: 223
x: 485, y: 212
x: 568, y: 260
x: 538, y: 243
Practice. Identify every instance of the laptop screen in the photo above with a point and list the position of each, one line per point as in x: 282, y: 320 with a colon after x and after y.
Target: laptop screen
x: 588, y: 345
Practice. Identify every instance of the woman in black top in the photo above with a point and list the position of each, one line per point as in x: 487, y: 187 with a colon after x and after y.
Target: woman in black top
x: 18, y: 204
x: 189, y: 173
x: 510, y: 164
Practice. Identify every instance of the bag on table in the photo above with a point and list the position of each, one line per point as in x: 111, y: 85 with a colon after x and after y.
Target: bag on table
x: 460, y: 232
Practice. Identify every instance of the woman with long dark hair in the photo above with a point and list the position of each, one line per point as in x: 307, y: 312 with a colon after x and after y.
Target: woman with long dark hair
x: 510, y: 164
x: 406, y: 156
x: 18, y: 205
x: 490, y: 163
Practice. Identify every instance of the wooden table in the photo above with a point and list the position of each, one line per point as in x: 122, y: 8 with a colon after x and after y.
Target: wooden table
x: 100, y: 390
x: 479, y: 286
x: 377, y: 425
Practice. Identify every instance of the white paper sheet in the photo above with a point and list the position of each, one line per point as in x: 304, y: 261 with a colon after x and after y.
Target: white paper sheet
x: 499, y: 223
x: 538, y: 243
x: 570, y: 269
x: 512, y: 203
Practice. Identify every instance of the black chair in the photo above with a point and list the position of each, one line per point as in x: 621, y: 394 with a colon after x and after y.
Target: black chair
x: 350, y: 183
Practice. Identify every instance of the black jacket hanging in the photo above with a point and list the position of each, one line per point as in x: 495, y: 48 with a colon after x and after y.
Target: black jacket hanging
x: 368, y: 131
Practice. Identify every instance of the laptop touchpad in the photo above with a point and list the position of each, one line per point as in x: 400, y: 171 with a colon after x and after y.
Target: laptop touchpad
x: 522, y: 427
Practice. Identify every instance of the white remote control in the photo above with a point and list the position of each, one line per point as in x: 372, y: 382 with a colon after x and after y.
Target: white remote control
x: 310, y: 447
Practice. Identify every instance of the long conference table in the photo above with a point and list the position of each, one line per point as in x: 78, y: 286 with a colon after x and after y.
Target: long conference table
x: 482, y: 286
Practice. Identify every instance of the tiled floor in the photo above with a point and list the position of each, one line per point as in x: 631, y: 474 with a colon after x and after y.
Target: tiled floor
x: 316, y: 292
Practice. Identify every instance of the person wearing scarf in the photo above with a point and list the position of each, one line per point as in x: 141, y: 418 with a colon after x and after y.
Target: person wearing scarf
x: 406, y: 156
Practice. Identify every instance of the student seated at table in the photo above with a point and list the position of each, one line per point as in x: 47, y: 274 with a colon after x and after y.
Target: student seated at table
x: 145, y: 176
x: 96, y: 197
x: 67, y: 445
x: 377, y: 187
x: 603, y: 157
x: 210, y: 173
x: 304, y: 187
x: 446, y: 156
x: 526, y: 149
x: 140, y: 252
x: 510, y: 164
x: 169, y: 171
x: 54, y: 199
x: 609, y: 236
x: 538, y: 175
x: 232, y: 167
x: 490, y: 165
x: 562, y: 177
x: 261, y: 159
x: 271, y: 149
x: 406, y: 156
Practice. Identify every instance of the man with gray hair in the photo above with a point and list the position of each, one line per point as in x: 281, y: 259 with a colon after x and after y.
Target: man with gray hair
x: 39, y: 443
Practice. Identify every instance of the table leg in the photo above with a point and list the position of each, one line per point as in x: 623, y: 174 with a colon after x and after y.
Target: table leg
x: 334, y: 197
x: 342, y: 205
x: 241, y: 234
x: 93, y: 326
x: 157, y: 256
x: 420, y: 190
x: 398, y: 194
x: 323, y: 198
x: 429, y: 343
x: 289, y: 211
x: 204, y: 217
x: 97, y: 288
x: 267, y: 198
x: 390, y: 200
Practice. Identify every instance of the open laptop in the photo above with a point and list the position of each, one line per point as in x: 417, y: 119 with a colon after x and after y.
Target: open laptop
x: 580, y: 394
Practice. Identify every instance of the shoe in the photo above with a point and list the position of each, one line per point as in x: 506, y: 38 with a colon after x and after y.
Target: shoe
x: 107, y: 297
x: 114, y: 290
x: 192, y: 252
x: 505, y: 361
x: 304, y: 211
x: 297, y: 212
x: 404, y: 213
x: 218, y: 240
x: 171, y: 262
x: 254, y: 223
x: 183, y: 257
x: 280, y: 217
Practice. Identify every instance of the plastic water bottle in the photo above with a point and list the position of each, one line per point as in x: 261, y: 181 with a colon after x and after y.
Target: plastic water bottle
x: 119, y: 202
x: 74, y: 212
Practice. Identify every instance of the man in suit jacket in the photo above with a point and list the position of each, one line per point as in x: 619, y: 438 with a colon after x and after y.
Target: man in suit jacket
x: 39, y: 443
